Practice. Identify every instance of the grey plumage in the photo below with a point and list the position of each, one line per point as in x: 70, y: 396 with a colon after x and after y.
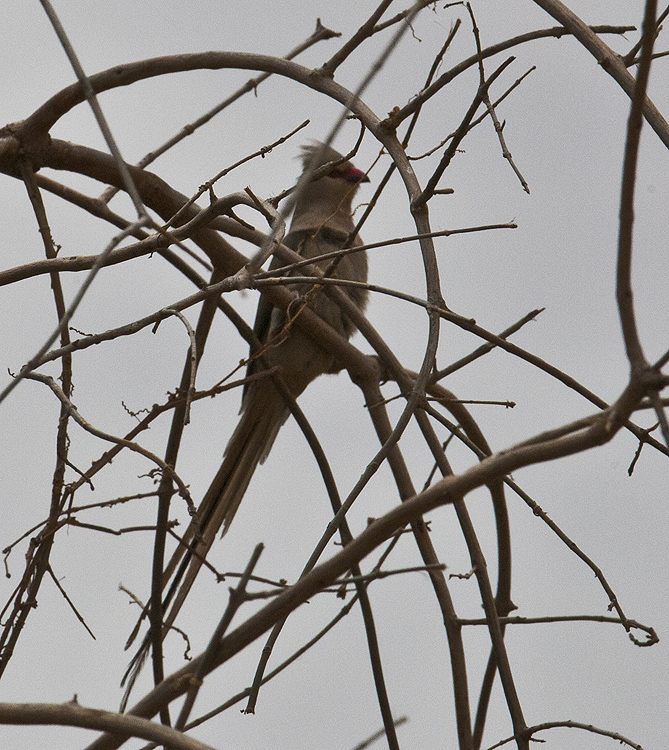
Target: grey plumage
x: 322, y: 222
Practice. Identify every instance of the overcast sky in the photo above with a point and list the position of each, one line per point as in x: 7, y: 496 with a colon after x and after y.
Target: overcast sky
x: 565, y: 126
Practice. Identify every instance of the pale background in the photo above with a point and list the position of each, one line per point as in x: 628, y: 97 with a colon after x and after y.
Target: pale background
x: 565, y: 126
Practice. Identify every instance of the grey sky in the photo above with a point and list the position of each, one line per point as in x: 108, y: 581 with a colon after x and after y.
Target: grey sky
x: 565, y: 126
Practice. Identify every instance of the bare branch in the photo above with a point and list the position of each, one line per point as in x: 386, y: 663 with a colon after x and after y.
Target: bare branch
x: 73, y: 715
x: 624, y: 275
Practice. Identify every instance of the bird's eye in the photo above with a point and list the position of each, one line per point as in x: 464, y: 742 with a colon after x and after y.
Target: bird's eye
x: 339, y: 174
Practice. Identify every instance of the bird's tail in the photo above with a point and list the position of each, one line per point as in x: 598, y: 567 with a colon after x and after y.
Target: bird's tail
x: 264, y: 411
x: 263, y: 415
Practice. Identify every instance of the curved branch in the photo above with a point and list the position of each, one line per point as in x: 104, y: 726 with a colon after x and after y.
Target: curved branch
x: 46, y: 116
x: 445, y: 78
x: 444, y: 492
x: 613, y: 63
x: 121, y: 726
x: 634, y: 124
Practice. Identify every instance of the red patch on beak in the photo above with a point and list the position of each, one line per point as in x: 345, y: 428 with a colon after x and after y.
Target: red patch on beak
x: 355, y: 175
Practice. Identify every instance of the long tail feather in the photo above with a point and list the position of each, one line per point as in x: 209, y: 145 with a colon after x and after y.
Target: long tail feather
x: 248, y: 446
x: 263, y: 415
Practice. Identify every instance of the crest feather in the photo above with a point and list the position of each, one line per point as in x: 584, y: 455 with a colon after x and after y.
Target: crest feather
x: 325, y: 154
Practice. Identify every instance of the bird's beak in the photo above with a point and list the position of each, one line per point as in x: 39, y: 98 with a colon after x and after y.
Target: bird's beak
x: 356, y: 175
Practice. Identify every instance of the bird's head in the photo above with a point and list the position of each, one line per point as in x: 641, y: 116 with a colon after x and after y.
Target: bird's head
x: 316, y: 155
x: 326, y: 201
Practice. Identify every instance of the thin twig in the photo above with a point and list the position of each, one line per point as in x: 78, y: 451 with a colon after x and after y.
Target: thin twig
x: 571, y: 725
x: 236, y: 599
x: 70, y: 602
x: 321, y: 33
x: 499, y: 128
x: 74, y: 413
x: 89, y: 92
x: 193, y: 360
x: 630, y: 57
x: 445, y: 78
x: 460, y: 133
x: 25, y: 596
x: 208, y: 186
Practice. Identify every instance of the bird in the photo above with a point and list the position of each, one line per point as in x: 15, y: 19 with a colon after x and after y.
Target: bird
x: 322, y: 222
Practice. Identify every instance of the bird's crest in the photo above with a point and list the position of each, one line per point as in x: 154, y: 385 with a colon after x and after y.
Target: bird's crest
x: 317, y: 154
